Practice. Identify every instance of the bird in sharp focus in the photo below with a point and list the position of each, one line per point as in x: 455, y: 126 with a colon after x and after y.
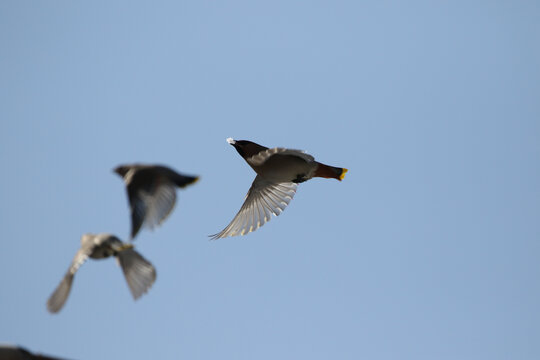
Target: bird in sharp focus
x: 279, y: 171
x: 139, y: 273
x: 151, y: 191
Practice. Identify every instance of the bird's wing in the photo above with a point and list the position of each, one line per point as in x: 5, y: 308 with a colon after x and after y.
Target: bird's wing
x: 140, y: 274
x: 59, y: 296
x: 263, y: 200
x: 152, y: 200
x: 262, y: 156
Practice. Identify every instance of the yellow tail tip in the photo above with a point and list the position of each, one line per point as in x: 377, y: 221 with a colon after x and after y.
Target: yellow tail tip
x: 343, y: 174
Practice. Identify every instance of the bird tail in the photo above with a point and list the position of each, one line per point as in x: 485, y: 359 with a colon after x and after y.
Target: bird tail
x: 59, y: 296
x: 330, y: 172
x: 140, y: 274
x: 183, y: 180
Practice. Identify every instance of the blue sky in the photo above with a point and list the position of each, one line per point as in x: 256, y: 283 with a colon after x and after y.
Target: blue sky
x: 427, y: 250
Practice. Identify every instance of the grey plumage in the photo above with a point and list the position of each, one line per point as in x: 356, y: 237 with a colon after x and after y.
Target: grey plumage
x: 264, y: 199
x: 139, y: 273
x: 279, y: 170
x: 151, y: 191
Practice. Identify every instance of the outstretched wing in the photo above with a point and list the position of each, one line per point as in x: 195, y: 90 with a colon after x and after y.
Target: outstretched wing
x: 151, y: 199
x: 263, y: 200
x: 59, y: 296
x: 140, y: 274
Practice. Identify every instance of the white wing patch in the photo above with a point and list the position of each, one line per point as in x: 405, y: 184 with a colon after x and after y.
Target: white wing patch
x: 263, y: 200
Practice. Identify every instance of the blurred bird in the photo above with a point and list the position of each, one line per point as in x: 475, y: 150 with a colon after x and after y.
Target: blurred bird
x: 151, y: 193
x: 139, y: 273
x: 14, y: 352
x: 279, y: 170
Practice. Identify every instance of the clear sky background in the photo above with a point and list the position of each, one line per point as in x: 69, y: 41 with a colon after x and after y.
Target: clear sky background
x: 429, y: 249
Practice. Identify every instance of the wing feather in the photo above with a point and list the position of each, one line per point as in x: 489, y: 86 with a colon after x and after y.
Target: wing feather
x: 140, y: 274
x: 58, y: 298
x: 151, y: 203
x: 261, y: 157
x: 263, y: 199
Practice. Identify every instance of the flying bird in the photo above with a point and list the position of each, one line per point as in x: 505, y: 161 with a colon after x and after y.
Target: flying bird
x: 151, y: 193
x: 279, y: 170
x: 139, y: 273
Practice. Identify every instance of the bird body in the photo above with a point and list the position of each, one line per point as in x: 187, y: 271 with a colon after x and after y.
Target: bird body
x: 285, y: 166
x: 151, y: 191
x: 282, y: 165
x: 279, y: 170
x: 139, y: 273
x: 102, y: 246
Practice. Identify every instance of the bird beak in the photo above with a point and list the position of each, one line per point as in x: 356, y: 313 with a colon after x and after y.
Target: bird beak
x: 231, y: 141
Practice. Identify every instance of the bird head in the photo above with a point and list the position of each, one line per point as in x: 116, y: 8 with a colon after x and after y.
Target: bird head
x: 246, y: 148
x: 122, y: 170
